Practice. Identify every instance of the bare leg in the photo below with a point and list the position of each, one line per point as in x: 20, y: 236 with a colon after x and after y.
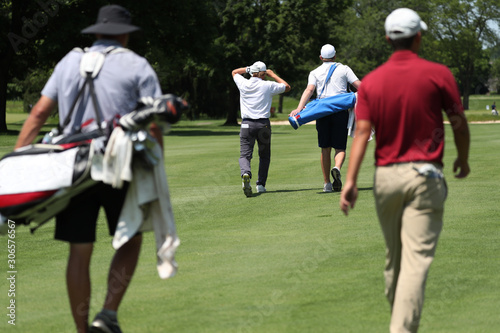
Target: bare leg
x: 121, y: 272
x: 339, y: 158
x: 78, y: 283
x: 326, y: 163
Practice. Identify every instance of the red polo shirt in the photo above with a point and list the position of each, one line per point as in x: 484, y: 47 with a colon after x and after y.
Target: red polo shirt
x: 404, y: 99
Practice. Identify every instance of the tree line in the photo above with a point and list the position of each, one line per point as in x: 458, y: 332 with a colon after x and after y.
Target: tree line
x: 194, y: 44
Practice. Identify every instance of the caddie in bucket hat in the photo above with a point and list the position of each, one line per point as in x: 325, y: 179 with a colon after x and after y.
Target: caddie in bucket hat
x: 123, y: 79
x: 112, y: 20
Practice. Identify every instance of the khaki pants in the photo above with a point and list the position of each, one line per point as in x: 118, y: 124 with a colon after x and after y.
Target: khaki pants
x: 410, y: 211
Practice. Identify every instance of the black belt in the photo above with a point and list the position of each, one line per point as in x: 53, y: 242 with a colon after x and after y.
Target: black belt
x: 250, y: 119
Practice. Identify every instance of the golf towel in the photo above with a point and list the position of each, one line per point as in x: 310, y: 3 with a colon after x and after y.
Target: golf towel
x: 320, y: 108
x: 147, y: 205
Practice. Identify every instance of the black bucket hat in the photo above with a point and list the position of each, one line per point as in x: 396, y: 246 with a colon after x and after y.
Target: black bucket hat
x: 112, y: 20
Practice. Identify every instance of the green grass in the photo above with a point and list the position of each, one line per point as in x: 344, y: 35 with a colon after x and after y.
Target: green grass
x: 477, y: 109
x: 15, y: 106
x: 284, y: 261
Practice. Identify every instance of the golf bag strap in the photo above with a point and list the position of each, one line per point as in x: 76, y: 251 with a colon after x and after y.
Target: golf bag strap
x: 95, y: 102
x: 89, y: 73
x: 328, y: 76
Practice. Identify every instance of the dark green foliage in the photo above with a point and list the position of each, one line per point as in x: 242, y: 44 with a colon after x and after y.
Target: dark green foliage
x: 194, y: 44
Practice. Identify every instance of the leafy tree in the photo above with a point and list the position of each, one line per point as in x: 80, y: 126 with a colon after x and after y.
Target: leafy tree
x: 362, y: 43
x: 303, y: 28
x: 174, y: 38
x: 458, y: 30
x: 495, y: 74
x: 242, y: 41
x: 461, y: 29
x: 194, y: 44
x: 362, y: 34
x: 33, y: 41
x: 10, y: 24
x: 286, y: 35
x: 178, y: 41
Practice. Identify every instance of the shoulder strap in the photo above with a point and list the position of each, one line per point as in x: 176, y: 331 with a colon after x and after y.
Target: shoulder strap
x: 328, y: 76
x: 80, y: 93
x: 90, y: 66
x: 115, y: 49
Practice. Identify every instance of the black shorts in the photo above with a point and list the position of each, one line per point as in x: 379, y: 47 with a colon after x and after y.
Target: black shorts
x: 78, y: 222
x: 332, y: 130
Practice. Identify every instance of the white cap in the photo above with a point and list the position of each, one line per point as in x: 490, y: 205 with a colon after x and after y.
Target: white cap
x: 328, y: 51
x: 403, y: 23
x: 258, y: 66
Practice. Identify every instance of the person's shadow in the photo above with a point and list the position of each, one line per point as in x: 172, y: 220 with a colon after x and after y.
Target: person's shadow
x: 306, y: 189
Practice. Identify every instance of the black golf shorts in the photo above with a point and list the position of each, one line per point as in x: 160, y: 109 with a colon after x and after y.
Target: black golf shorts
x: 78, y: 222
x: 332, y: 130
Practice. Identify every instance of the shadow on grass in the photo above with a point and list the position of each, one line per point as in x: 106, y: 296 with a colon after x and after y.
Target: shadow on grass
x: 10, y: 132
x: 365, y: 189
x: 200, y: 132
x: 311, y: 189
x: 212, y: 130
x: 359, y: 189
x: 287, y: 191
x: 279, y: 191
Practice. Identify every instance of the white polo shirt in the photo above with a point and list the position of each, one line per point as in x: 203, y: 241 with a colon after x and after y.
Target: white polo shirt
x: 338, y: 82
x: 256, y: 96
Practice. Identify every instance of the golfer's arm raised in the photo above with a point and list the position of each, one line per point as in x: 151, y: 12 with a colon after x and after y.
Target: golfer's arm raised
x: 276, y: 78
x: 37, y: 118
x: 306, y: 95
x: 241, y: 71
x: 349, y: 193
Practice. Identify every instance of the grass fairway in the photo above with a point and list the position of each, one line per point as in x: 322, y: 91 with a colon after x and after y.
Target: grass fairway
x: 284, y: 261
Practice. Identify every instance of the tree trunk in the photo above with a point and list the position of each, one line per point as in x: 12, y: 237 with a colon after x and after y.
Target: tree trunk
x: 466, y: 93
x: 5, y: 64
x: 7, y: 58
x: 3, y: 100
x: 233, y: 107
x: 465, y: 100
x: 280, y: 103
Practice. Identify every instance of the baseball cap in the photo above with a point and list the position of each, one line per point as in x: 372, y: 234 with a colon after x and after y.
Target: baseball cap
x: 403, y: 23
x: 258, y: 66
x: 112, y: 20
x: 328, y: 51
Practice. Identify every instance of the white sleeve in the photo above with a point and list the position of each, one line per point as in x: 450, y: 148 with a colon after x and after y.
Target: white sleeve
x: 312, y: 80
x: 277, y: 88
x: 351, y: 77
x: 238, y: 79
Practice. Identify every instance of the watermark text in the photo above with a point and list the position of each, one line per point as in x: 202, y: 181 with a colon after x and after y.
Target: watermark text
x: 11, y: 272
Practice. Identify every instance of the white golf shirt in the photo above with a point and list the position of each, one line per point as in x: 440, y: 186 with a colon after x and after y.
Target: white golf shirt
x: 256, y: 96
x: 337, y: 83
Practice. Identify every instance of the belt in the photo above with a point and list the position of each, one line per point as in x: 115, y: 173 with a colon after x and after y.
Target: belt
x: 259, y: 119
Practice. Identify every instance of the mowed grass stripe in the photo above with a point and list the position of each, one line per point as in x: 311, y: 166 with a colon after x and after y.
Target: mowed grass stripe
x: 283, y: 261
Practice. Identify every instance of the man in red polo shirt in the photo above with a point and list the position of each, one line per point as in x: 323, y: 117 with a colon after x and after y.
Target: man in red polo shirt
x: 403, y: 100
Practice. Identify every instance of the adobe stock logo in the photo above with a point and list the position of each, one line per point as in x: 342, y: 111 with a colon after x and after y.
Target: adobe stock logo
x: 31, y: 26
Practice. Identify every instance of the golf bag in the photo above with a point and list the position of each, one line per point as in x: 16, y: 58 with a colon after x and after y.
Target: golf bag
x: 319, y: 108
x: 38, y: 181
